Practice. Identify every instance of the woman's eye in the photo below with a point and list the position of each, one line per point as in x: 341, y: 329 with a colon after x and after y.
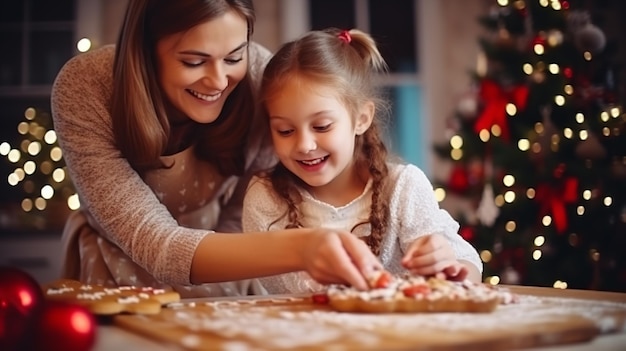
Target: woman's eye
x: 192, y: 63
x: 232, y: 61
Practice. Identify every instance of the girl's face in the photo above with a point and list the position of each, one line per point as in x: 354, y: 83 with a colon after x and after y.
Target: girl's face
x: 200, y: 67
x: 314, y: 134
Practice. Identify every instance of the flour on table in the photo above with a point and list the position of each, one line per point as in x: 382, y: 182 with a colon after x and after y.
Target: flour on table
x: 266, y: 324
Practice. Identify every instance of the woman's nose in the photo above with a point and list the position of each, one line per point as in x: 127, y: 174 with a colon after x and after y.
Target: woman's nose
x: 215, y: 77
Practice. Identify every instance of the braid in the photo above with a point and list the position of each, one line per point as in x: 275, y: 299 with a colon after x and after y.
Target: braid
x: 374, y: 157
x: 284, y: 187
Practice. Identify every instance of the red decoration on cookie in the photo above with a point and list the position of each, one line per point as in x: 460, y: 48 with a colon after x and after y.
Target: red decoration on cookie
x: 380, y: 279
x: 414, y: 290
x: 320, y: 299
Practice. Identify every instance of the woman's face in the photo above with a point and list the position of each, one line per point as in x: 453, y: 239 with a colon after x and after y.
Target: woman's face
x: 200, y: 67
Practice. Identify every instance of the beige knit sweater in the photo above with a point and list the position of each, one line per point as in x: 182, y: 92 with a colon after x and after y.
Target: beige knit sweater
x: 134, y: 230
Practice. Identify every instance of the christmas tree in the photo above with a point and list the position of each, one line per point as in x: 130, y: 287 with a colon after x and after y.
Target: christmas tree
x: 538, y: 150
x: 38, y: 175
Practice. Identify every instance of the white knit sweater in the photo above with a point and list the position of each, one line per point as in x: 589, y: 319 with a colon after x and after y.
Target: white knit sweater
x: 414, y: 212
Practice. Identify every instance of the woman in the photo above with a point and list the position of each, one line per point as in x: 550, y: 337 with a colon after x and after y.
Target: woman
x: 160, y: 138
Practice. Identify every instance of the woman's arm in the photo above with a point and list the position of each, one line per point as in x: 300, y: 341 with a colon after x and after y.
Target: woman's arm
x: 328, y: 256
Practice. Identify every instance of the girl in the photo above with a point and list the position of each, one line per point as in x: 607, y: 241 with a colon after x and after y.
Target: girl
x: 160, y: 137
x: 320, y: 98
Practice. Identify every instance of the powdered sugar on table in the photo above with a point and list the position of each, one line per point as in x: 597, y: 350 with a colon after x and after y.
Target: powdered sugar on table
x: 296, y: 323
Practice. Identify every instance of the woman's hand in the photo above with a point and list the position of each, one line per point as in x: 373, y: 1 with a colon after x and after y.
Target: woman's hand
x: 431, y: 255
x: 338, y: 257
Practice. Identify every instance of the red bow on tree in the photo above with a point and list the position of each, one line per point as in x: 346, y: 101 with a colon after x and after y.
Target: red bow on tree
x: 495, y: 100
x: 553, y: 200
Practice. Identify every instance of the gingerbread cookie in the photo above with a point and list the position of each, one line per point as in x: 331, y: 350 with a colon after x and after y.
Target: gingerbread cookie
x: 103, y: 300
x: 417, y: 294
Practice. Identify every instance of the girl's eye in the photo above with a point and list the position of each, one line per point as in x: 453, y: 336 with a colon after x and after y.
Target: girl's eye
x: 322, y: 128
x: 285, y: 132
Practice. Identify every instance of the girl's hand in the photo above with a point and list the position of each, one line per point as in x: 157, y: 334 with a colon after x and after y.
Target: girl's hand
x: 432, y: 255
x: 338, y: 257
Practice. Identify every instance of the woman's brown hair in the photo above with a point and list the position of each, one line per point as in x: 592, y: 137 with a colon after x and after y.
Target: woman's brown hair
x: 348, y: 62
x: 138, y: 107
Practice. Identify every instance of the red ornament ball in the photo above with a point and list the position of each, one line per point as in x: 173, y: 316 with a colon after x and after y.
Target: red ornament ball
x: 468, y: 233
x: 459, y: 180
x: 21, y: 299
x: 64, y: 326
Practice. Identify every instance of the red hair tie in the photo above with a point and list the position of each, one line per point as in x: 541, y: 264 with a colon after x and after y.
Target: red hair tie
x: 345, y: 36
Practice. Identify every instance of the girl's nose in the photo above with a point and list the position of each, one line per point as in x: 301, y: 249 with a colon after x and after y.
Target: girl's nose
x: 306, y: 143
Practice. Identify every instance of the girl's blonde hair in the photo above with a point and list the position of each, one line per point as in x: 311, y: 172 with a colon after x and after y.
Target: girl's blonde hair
x: 138, y: 105
x: 348, y: 62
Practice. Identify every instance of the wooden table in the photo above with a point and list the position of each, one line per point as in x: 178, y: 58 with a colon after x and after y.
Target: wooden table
x: 545, y: 319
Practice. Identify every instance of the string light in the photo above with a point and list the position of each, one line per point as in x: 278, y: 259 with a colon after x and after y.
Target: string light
x: 528, y: 68
x: 484, y: 135
x: 440, y: 194
x: 456, y: 142
x: 553, y: 68
x: 615, y: 112
x: 511, y: 109
x: 486, y: 256
x: 510, y: 226
x: 493, y: 280
x: 39, y: 168
x: 580, y: 118
x: 509, y: 196
x: 508, y: 180
x: 568, y: 133
x: 568, y: 89
x: 559, y: 100
x: 604, y: 116
x: 523, y: 144
x: 83, y: 45
x: 456, y: 154
x: 496, y: 130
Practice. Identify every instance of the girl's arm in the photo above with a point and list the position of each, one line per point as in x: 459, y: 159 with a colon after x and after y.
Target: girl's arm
x: 421, y: 216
